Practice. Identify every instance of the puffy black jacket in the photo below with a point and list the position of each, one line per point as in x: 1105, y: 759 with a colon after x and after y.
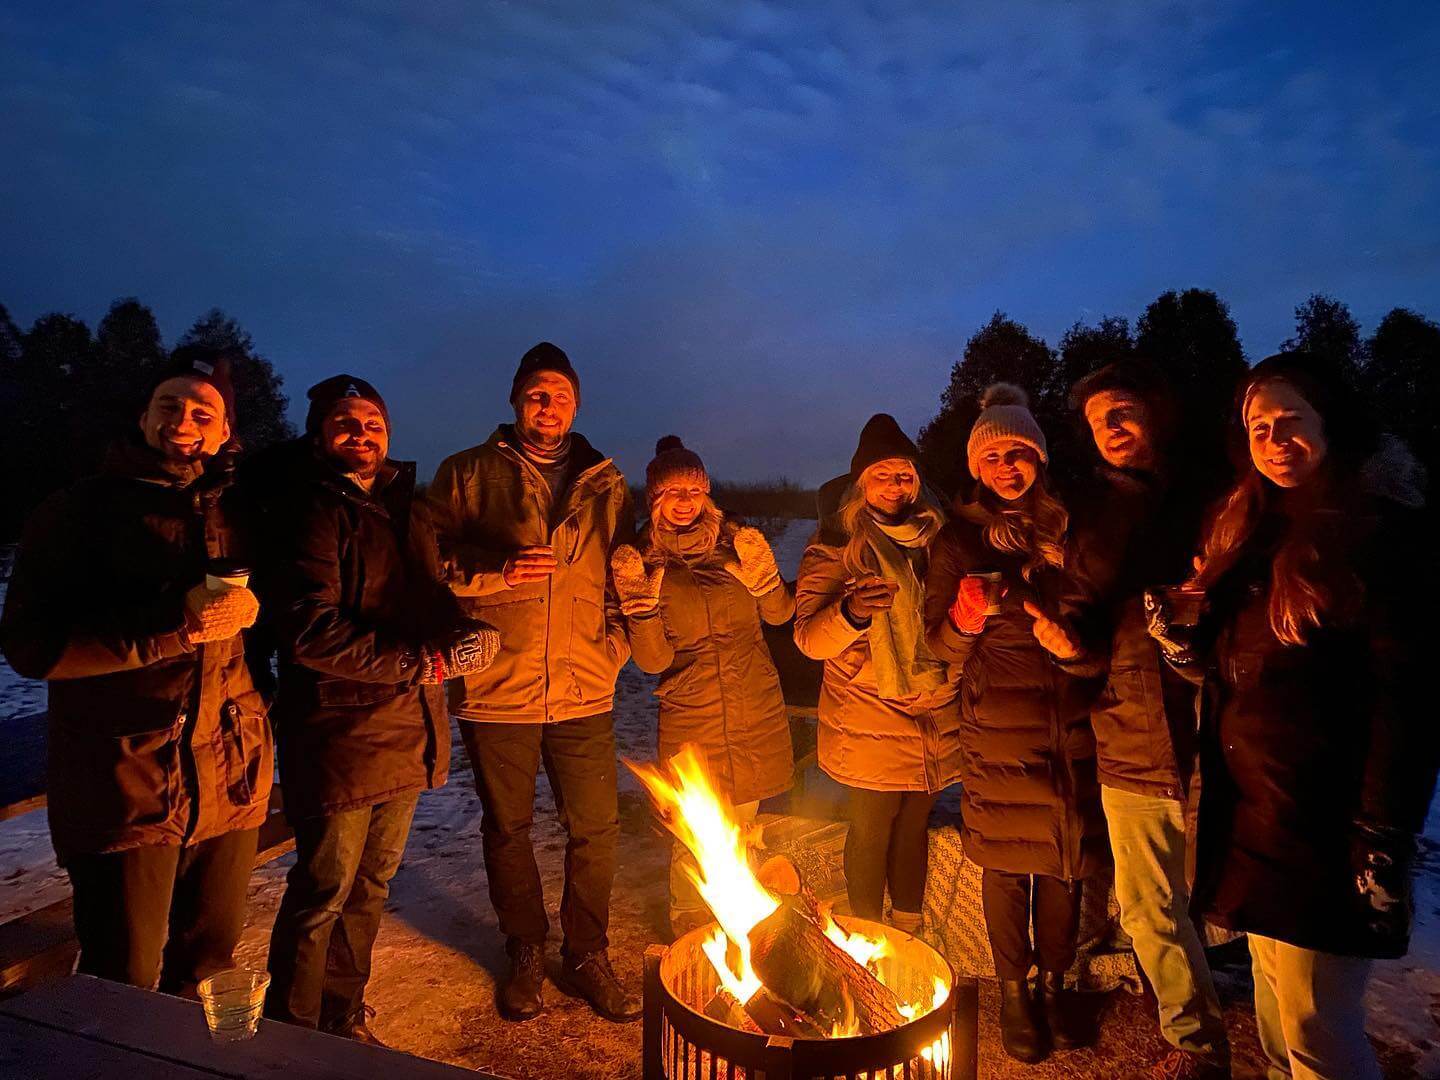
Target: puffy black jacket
x: 1302, y: 743
x: 354, y: 588
x: 1129, y: 532
x: 1031, y: 803
x: 152, y: 740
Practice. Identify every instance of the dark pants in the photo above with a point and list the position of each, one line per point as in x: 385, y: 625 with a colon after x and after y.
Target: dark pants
x: 888, y: 844
x: 579, y: 759
x: 1010, y: 901
x: 334, y: 897
x: 162, y: 913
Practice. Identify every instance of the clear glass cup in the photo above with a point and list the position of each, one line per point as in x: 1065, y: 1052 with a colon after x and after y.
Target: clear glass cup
x: 233, y: 1000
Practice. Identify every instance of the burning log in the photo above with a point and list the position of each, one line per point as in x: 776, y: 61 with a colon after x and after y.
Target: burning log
x: 807, y: 971
x: 762, y: 1014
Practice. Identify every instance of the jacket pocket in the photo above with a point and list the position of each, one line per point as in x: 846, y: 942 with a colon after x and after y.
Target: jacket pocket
x: 342, y: 693
x: 592, y: 671
x: 144, y: 776
x: 247, y: 756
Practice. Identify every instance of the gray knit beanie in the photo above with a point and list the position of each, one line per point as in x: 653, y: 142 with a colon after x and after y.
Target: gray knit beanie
x: 1005, y: 414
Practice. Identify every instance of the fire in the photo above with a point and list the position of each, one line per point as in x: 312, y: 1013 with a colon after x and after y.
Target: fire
x: 742, y: 985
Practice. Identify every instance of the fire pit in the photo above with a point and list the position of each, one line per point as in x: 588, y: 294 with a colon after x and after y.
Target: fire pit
x: 688, y: 1036
x: 778, y: 987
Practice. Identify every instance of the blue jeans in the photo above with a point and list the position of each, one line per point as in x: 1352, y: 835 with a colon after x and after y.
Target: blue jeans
x: 1310, y: 1009
x: 330, y: 915
x: 1147, y: 838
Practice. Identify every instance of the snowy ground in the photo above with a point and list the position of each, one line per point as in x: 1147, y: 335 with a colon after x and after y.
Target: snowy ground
x: 439, y: 950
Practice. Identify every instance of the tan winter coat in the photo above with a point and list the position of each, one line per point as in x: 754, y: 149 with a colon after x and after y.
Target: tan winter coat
x: 562, y: 640
x: 718, y: 686
x: 866, y: 741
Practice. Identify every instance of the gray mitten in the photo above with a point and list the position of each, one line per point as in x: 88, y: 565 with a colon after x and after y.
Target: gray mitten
x: 756, y: 566
x: 637, y: 587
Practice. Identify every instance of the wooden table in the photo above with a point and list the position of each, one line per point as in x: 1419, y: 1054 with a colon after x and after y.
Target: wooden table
x: 81, y: 1028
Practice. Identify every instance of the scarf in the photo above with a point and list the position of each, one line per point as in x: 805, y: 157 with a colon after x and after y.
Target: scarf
x: 691, y: 544
x: 904, y: 665
x: 544, y: 457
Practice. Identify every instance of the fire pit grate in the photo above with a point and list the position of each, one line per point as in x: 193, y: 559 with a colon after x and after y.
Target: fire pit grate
x: 682, y: 1042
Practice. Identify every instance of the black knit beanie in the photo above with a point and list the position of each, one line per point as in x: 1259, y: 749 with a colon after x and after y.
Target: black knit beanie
x: 325, y: 394
x: 543, y: 357
x: 203, y: 363
x: 881, y: 438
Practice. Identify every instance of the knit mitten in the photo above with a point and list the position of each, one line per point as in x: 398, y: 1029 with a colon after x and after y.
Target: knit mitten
x: 218, y: 614
x: 637, y: 587
x: 968, y: 610
x: 1174, y: 641
x: 470, y: 650
x: 756, y: 567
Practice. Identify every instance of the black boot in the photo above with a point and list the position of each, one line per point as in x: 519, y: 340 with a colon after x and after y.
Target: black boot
x: 522, y: 995
x: 590, y: 976
x: 1062, y: 1016
x: 356, y: 1026
x: 1022, y: 1037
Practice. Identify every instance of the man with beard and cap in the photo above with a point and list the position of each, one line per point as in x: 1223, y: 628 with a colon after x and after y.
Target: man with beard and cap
x: 367, y: 635
x: 160, y: 757
x: 527, y: 523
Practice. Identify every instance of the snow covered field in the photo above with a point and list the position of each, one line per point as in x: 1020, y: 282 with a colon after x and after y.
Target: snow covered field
x: 440, y: 949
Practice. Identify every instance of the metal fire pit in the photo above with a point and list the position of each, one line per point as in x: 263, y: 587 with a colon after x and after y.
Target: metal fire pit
x: 682, y: 1043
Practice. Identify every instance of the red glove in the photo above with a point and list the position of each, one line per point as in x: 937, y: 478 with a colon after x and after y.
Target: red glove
x: 968, y: 611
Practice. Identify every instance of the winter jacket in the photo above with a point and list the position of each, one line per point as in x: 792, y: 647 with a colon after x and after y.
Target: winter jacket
x: 1129, y: 533
x: 152, y: 740
x: 354, y: 589
x: 1031, y: 802
x: 865, y: 740
x: 718, y: 686
x: 1300, y: 744
x: 563, y: 638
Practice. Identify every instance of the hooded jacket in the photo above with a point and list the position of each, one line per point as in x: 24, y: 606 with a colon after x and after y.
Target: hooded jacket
x: 354, y: 587
x: 152, y: 740
x: 865, y: 740
x: 562, y: 639
x: 1031, y: 799
x: 718, y: 686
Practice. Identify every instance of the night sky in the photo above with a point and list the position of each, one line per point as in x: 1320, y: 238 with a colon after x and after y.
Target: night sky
x: 749, y: 223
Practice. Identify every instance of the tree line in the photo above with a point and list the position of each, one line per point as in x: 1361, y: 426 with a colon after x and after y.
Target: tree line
x: 66, y: 392
x: 1190, y: 336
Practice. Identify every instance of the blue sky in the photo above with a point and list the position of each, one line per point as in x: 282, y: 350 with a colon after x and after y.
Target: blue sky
x: 750, y: 223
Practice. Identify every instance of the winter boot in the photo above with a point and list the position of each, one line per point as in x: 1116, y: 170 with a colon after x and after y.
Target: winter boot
x: 356, y: 1026
x: 591, y: 977
x: 1022, y: 1037
x: 522, y: 995
x: 1062, y: 1015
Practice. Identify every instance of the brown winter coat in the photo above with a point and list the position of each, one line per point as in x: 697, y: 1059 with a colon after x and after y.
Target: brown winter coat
x: 354, y: 592
x: 718, y: 686
x: 1031, y: 798
x: 562, y: 640
x: 866, y: 741
x: 152, y: 740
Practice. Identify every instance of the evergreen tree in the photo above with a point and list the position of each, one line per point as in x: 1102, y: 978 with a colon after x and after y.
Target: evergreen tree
x: 1404, y: 373
x: 259, y: 404
x: 1325, y: 328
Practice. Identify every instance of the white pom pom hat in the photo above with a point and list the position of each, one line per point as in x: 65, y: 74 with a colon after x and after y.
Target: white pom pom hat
x: 1005, y: 415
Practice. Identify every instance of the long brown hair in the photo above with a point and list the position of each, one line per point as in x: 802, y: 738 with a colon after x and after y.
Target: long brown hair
x: 1032, y: 526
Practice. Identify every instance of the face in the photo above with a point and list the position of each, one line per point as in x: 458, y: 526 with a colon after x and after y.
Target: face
x: 681, y: 503
x: 1008, y: 468
x: 1120, y: 424
x: 545, y: 410
x: 1287, y: 436
x: 890, y: 485
x: 355, y: 436
x: 185, y: 419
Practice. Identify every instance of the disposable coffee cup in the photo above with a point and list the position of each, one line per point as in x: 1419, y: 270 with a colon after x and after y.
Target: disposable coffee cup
x: 994, y: 589
x: 1186, y: 603
x: 226, y: 574
x: 233, y: 1000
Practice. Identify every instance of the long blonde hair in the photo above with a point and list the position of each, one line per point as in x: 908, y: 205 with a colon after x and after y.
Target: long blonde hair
x: 1032, y: 526
x: 859, y: 526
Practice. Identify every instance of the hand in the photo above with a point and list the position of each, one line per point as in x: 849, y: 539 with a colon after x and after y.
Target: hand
x: 1380, y: 860
x: 469, y: 650
x: 756, y: 569
x: 967, y: 613
x: 637, y: 587
x: 1052, y: 634
x: 1172, y: 645
x: 218, y: 614
x: 868, y: 597
x: 534, y: 563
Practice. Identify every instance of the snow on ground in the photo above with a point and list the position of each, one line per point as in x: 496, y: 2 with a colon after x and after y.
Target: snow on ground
x: 439, y: 951
x: 18, y: 697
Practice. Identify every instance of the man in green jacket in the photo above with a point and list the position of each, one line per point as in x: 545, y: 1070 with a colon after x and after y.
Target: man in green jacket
x: 526, y: 523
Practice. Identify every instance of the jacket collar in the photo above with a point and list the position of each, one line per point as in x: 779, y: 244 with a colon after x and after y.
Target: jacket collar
x: 583, y: 456
x: 132, y: 458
